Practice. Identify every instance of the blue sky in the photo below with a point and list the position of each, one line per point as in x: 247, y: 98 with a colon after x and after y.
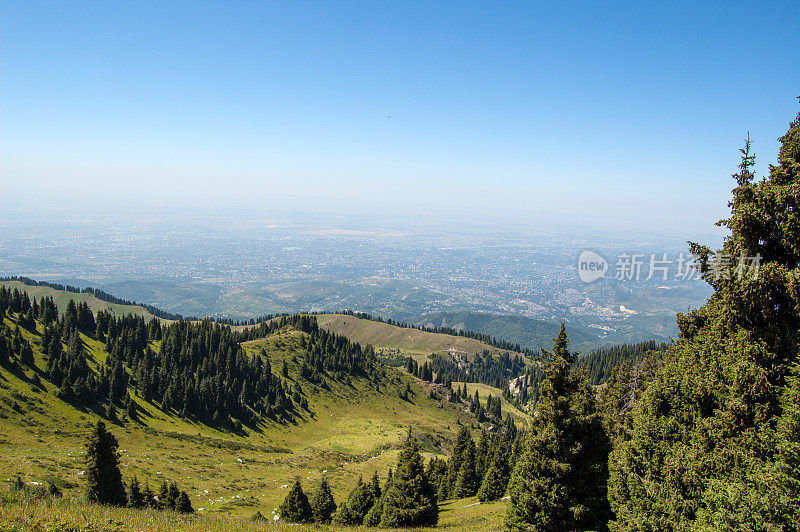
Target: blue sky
x: 608, y: 112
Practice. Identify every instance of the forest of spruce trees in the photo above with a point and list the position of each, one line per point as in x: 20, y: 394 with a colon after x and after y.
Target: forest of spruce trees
x: 199, y: 371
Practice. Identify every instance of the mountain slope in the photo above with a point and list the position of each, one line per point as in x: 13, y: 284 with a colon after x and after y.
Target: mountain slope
x: 403, y: 340
x: 62, y: 297
x: 349, y: 429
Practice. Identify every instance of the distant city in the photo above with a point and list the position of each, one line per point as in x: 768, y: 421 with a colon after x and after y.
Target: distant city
x: 397, y: 268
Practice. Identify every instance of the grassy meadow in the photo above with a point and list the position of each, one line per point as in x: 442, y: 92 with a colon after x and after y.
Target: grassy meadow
x: 21, y: 512
x: 404, y: 341
x: 352, y: 431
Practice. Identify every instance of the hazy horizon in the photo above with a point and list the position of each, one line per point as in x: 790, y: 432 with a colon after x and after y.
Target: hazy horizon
x: 534, y: 114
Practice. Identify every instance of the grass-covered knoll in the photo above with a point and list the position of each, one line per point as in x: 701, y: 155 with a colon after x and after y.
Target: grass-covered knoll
x: 406, y: 341
x: 62, y: 298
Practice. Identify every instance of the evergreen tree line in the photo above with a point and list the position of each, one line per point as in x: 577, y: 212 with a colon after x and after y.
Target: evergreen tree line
x: 13, y: 347
x: 17, y: 301
x: 406, y: 499
x: 600, y: 364
x: 485, y: 368
x: 483, y: 469
x: 200, y: 370
x: 99, y: 294
x: 155, y: 311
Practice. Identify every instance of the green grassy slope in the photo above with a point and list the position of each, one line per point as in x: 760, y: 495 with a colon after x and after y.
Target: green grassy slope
x: 405, y: 341
x: 352, y: 432
x: 61, y: 299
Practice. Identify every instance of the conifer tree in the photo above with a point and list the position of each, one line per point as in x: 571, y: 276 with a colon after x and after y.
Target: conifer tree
x: 135, y: 498
x: 559, y: 481
x: 467, y: 482
x: 448, y: 484
x: 163, y: 496
x: 373, y: 517
x: 409, y: 500
x: 26, y: 356
x: 376, y: 486
x: 148, y: 497
x: 173, y: 493
x: 295, y: 508
x: 133, y: 412
x: 496, y: 479
x: 703, y: 449
x: 322, y: 504
x: 358, y: 503
x: 184, y: 504
x: 104, y: 480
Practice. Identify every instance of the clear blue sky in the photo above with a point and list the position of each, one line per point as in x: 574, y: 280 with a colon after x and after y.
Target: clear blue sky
x: 547, y: 111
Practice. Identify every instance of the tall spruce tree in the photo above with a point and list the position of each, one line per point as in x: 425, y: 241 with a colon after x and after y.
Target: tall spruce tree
x: 295, y: 508
x: 704, y: 446
x: 322, y: 504
x: 149, y: 497
x: 135, y: 498
x: 173, y: 493
x: 496, y: 479
x: 358, y: 503
x: 467, y: 482
x: 104, y: 480
x: 448, y: 484
x: 376, y: 485
x: 184, y: 504
x: 409, y: 498
x: 163, y: 496
x: 373, y: 517
x: 559, y: 481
